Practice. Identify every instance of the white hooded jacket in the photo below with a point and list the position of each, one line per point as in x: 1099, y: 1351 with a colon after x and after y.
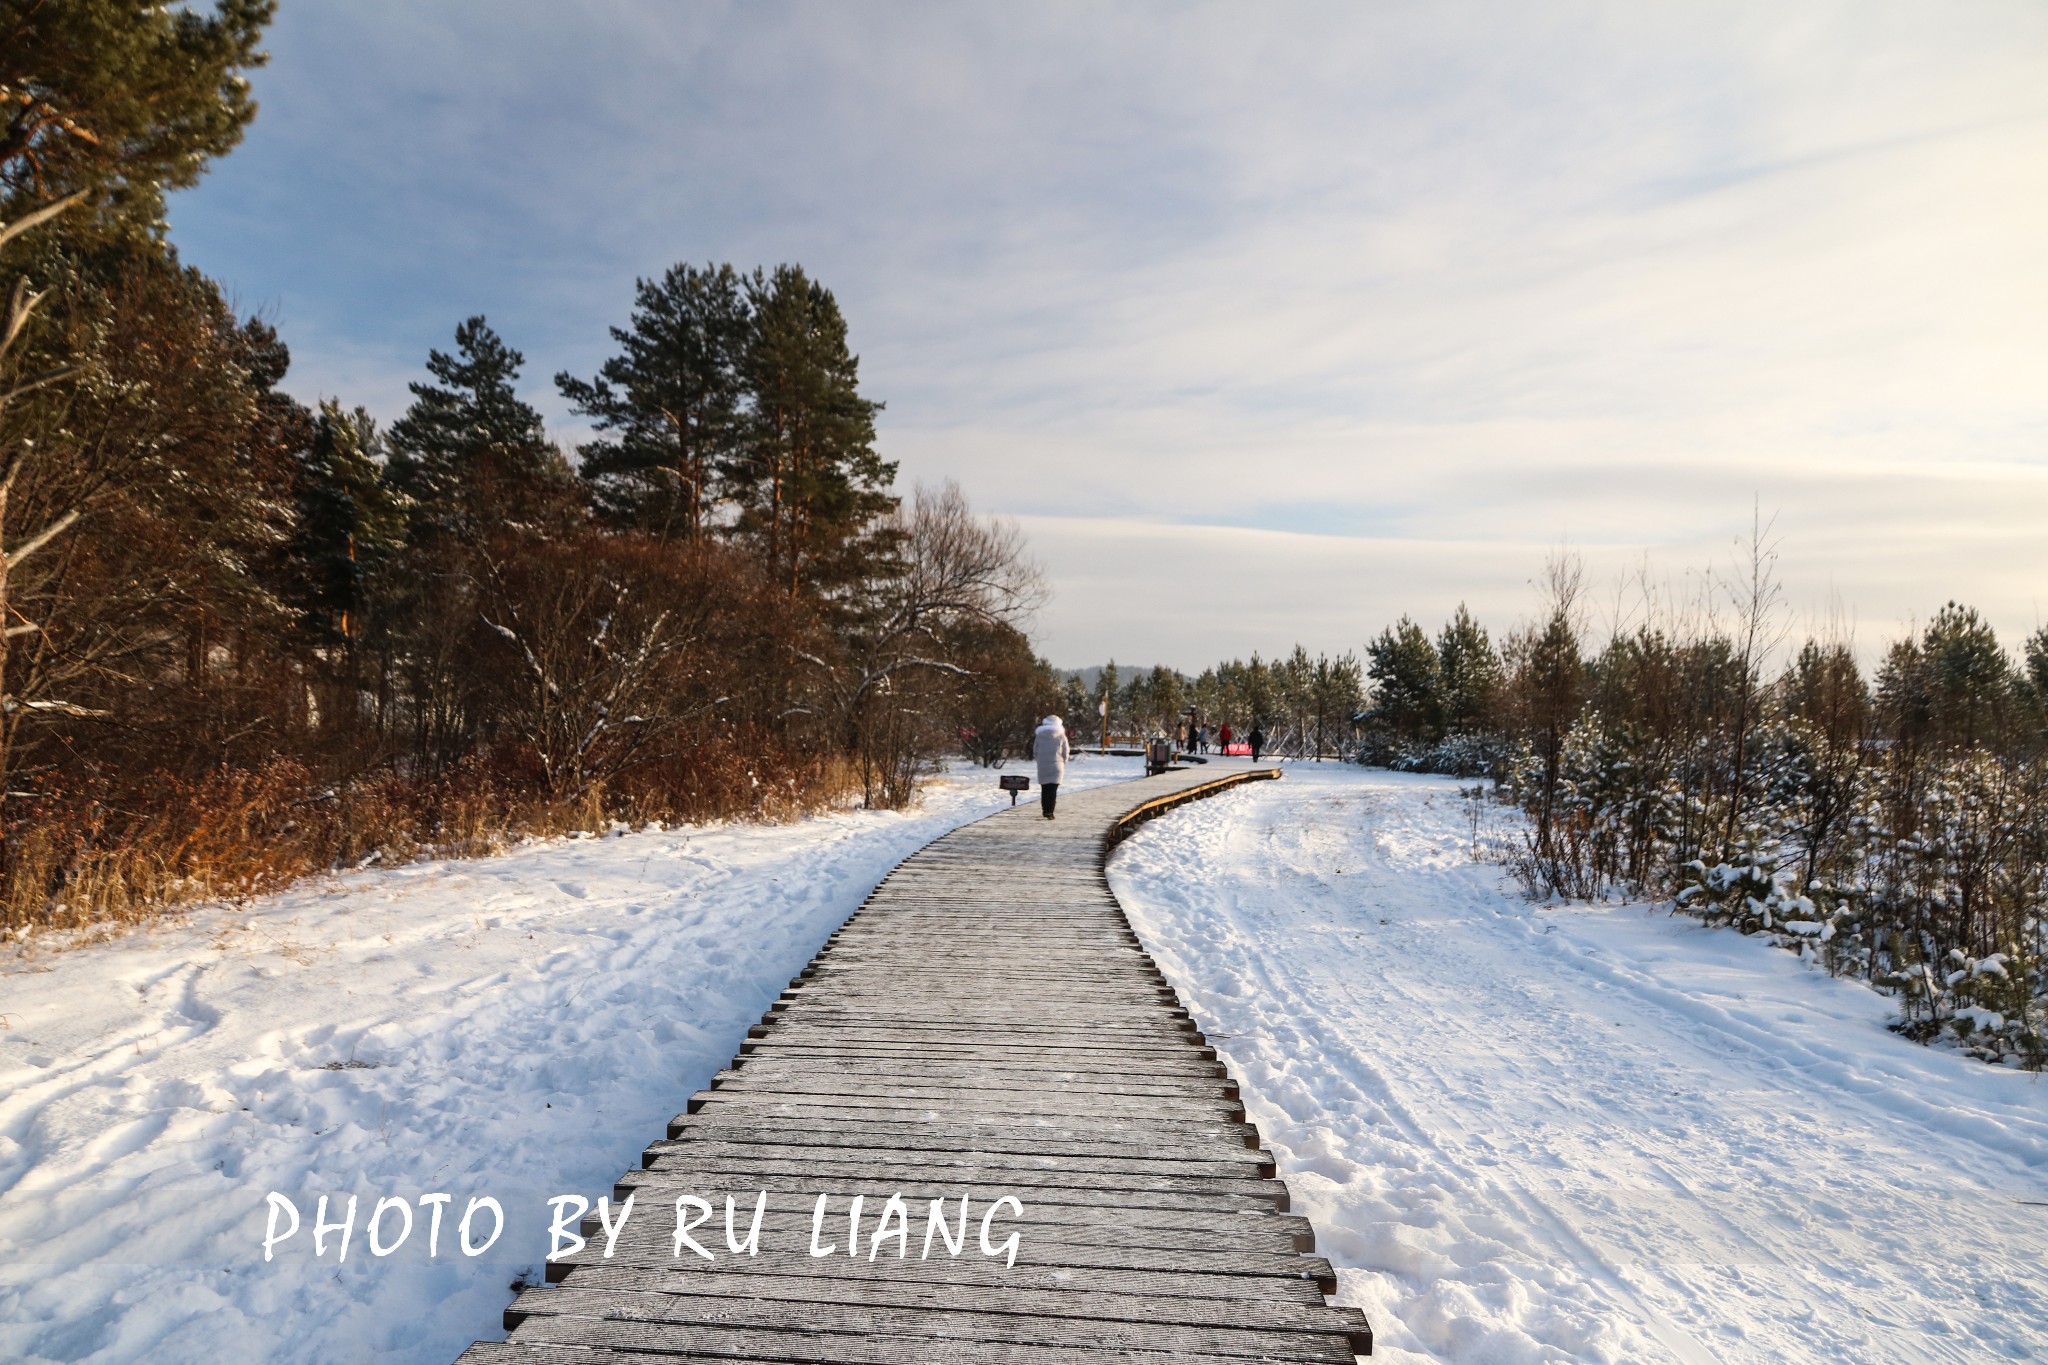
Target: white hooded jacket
x: 1049, y: 747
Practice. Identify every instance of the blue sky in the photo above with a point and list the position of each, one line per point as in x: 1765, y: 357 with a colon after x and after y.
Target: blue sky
x: 1268, y: 323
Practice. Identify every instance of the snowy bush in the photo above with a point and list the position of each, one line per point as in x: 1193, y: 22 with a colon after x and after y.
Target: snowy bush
x: 1476, y: 755
x: 1898, y: 834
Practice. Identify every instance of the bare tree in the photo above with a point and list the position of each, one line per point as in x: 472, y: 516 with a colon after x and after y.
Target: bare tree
x: 600, y: 637
x: 956, y: 570
x: 1550, y: 680
x: 21, y: 307
x: 1760, y: 627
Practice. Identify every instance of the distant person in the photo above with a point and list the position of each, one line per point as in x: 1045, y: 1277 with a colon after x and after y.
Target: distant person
x: 1049, y: 746
x: 1223, y: 738
x: 1258, y: 740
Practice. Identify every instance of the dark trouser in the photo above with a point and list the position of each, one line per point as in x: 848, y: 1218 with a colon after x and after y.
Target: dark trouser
x: 1255, y: 753
x: 1048, y: 797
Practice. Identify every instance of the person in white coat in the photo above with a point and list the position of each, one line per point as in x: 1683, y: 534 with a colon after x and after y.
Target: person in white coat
x: 1049, y: 747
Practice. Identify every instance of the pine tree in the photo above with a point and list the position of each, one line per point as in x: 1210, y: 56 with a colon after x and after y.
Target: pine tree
x: 1100, y: 717
x: 1970, y: 680
x: 472, y: 455
x: 1549, y: 682
x: 351, y: 525
x: 2037, y: 673
x: 1469, y: 673
x: 1258, y: 692
x: 1407, y: 685
x: 1293, y: 685
x: 1074, y: 704
x: 671, y: 400
x: 807, y: 479
x: 1335, y: 686
x: 123, y: 98
x: 1827, y: 707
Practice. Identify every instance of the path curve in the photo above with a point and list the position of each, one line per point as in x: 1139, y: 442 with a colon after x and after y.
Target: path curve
x: 987, y: 1024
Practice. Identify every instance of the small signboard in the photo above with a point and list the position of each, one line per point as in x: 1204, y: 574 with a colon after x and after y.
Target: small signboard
x: 1014, y: 783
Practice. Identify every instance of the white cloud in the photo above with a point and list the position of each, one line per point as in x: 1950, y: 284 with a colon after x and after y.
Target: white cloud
x: 1444, y: 284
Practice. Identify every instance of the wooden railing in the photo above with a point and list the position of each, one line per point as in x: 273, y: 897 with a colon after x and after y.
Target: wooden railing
x: 1122, y: 826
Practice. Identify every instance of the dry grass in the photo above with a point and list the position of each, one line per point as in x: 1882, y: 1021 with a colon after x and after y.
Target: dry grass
x: 96, y: 861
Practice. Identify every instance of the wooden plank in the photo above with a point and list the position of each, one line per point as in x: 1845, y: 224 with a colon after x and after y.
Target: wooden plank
x: 1065, y: 1225
x: 894, y: 1305
x: 671, y: 1179
x: 1163, y: 1140
x: 1084, y: 1269
x: 950, y: 1077
x: 1246, y: 1302
x: 1233, y: 1273
x: 987, y: 1024
x: 793, y: 1346
x: 661, y: 1321
x: 979, y: 1170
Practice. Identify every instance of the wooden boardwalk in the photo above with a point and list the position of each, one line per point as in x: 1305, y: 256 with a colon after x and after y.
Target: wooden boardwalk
x: 986, y: 1024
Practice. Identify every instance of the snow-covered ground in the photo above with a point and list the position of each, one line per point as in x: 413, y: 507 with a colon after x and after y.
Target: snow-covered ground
x: 516, y: 1026
x: 1533, y: 1133
x: 1524, y: 1133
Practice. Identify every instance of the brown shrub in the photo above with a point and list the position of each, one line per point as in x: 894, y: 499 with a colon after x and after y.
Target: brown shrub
x: 95, y: 857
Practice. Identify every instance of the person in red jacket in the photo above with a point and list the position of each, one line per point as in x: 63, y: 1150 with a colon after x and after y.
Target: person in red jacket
x: 1223, y: 738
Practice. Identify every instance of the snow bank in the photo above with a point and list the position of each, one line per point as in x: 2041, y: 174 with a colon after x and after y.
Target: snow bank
x: 1537, y: 1133
x: 516, y: 1026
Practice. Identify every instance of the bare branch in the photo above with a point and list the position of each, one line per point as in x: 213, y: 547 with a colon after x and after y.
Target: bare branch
x: 9, y: 231
x: 62, y: 708
x: 36, y: 542
x: 41, y: 381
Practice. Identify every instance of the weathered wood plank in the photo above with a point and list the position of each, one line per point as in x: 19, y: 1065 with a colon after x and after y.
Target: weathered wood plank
x: 891, y: 1305
x: 796, y: 1347
x: 969, y: 1106
x: 1224, y: 1226
x: 1066, y: 1225
x: 980, y: 1170
x: 673, y: 1178
x: 1205, y: 1139
x: 703, y: 1322
x: 1070, y: 1266
x: 986, y: 1024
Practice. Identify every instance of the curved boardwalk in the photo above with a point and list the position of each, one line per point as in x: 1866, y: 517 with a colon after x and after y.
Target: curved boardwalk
x: 985, y: 1025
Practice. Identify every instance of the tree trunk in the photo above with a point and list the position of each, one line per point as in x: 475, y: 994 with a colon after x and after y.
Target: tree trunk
x: 6, y: 711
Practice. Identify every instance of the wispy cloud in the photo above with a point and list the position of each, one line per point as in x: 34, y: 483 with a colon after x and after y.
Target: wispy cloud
x: 1439, y: 284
